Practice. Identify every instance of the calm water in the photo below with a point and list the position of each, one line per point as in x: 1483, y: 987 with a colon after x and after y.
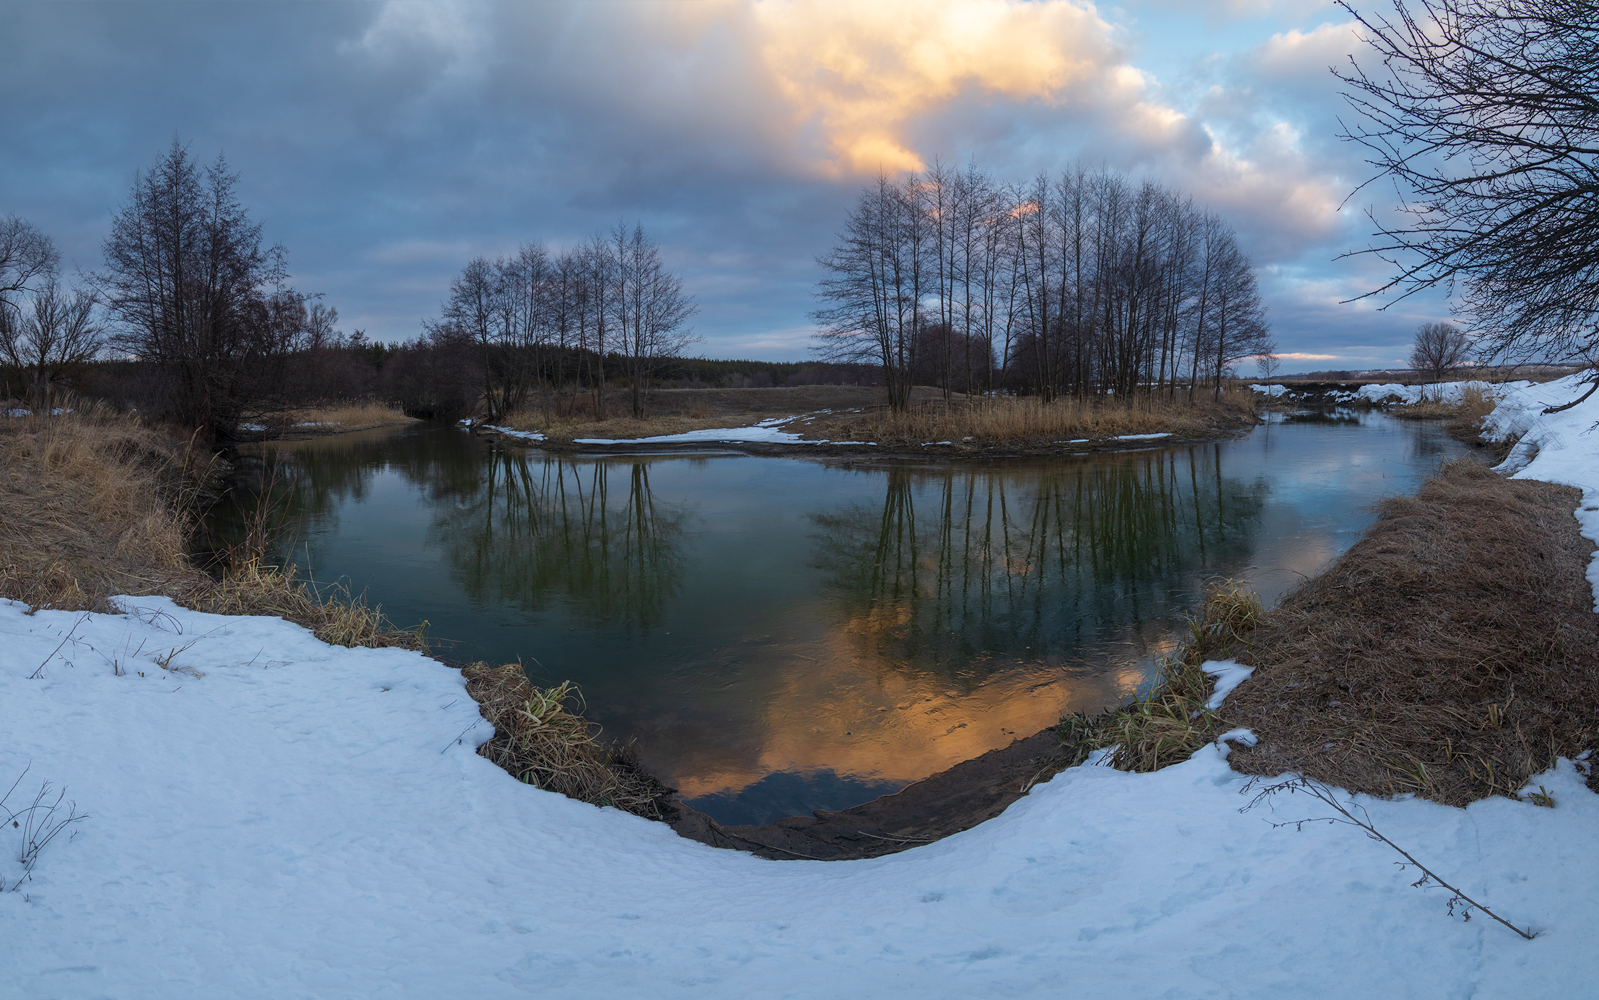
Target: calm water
x: 782, y: 635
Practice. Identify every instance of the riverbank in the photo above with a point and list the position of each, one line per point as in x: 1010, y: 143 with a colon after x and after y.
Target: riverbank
x: 320, y: 421
x: 251, y: 811
x: 849, y: 420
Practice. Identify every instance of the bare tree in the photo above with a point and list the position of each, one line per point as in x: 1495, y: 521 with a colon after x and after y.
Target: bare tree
x: 195, y: 292
x: 651, y: 310
x: 25, y: 255
x: 1489, y: 115
x: 875, y: 277
x: 1439, y: 347
x: 49, y: 344
x: 1085, y: 284
x: 1268, y: 365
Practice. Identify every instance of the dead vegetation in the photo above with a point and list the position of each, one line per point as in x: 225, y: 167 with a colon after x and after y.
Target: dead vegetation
x: 94, y: 503
x: 250, y: 585
x: 1464, y: 416
x: 850, y: 413
x: 540, y: 740
x: 1166, y: 725
x: 329, y: 418
x: 1452, y: 652
x: 1029, y: 421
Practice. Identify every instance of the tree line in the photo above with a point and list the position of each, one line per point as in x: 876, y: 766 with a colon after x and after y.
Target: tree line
x: 192, y: 318
x: 1079, y: 284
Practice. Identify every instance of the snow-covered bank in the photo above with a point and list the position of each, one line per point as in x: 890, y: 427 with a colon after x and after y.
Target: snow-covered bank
x: 306, y: 820
x: 1393, y: 393
x: 1554, y: 447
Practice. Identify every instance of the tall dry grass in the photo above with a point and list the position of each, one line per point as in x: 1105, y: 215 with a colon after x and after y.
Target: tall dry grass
x: 337, y: 416
x: 95, y: 503
x: 1010, y: 420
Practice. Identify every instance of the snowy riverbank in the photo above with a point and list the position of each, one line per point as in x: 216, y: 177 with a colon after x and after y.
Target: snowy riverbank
x: 275, y: 817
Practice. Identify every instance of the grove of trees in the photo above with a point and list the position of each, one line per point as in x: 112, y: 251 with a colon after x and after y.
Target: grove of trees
x: 562, y: 322
x: 1081, y: 284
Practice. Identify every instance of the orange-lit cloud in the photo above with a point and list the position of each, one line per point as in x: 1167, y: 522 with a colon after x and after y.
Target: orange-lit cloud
x: 858, y: 73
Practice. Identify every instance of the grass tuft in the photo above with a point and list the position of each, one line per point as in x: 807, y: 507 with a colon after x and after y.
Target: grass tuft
x: 1168, y: 724
x: 540, y: 740
x: 252, y: 586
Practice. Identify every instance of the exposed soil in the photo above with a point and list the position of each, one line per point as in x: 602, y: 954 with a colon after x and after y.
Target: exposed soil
x: 931, y: 809
x: 1452, y: 652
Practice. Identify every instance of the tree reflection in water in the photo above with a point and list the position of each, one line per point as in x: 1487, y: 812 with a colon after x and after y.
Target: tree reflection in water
x: 963, y: 571
x: 589, y: 533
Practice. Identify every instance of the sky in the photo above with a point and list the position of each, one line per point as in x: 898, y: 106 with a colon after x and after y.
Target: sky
x: 386, y: 144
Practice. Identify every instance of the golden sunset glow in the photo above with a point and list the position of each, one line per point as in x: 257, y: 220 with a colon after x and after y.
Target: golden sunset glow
x: 862, y: 72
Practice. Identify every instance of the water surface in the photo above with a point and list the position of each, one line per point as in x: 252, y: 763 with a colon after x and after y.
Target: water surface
x: 781, y: 634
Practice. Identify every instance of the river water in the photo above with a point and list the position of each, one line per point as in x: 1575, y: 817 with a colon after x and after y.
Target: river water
x: 786, y: 634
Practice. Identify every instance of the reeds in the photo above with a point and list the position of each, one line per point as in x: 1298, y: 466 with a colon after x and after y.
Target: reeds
x: 540, y: 740
x: 563, y: 429
x: 1027, y: 420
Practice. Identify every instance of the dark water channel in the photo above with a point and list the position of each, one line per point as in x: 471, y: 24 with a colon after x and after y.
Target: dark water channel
x: 781, y: 634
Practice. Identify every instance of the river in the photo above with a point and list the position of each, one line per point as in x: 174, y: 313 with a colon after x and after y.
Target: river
x: 787, y: 634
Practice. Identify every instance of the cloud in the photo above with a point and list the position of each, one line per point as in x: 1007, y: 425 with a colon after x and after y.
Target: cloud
x: 384, y: 145
x: 859, y: 72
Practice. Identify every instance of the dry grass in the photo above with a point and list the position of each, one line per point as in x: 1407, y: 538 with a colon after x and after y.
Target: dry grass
x: 335, y: 418
x: 539, y: 740
x: 94, y: 503
x: 1452, y: 652
x: 250, y: 586
x: 1029, y: 421
x: 1168, y: 724
x: 853, y: 414
x: 562, y: 430
x: 1474, y: 404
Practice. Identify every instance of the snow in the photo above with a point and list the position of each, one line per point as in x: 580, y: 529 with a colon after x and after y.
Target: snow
x: 1142, y: 437
x: 286, y: 818
x: 276, y: 817
x: 1390, y: 393
x: 766, y: 431
x: 1446, y: 392
x: 525, y: 435
x: 1554, y: 447
x: 1229, y: 674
